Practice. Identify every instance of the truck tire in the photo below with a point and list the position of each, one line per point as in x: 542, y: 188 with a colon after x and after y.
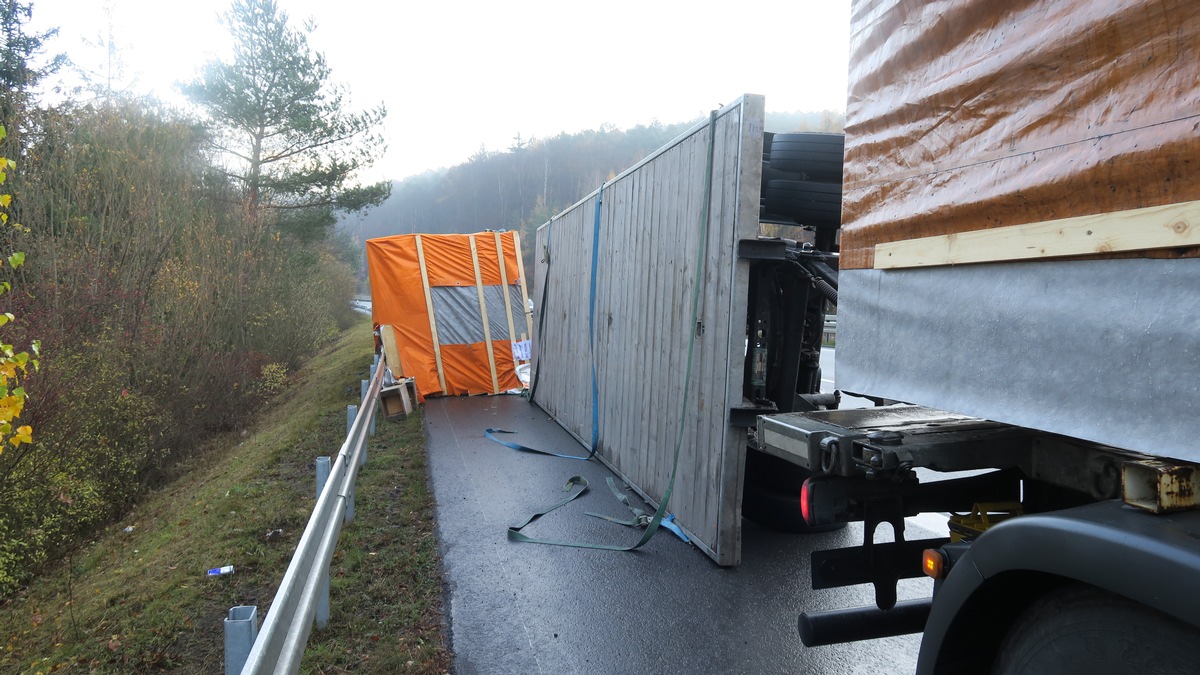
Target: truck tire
x: 1083, y: 630
x: 817, y: 155
x: 811, y: 204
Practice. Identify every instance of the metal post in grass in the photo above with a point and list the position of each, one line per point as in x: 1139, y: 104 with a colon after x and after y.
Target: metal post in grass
x: 365, y: 385
x: 321, y: 616
x: 322, y: 474
x: 241, y: 629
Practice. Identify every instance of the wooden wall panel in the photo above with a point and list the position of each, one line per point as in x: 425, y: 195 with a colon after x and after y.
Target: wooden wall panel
x: 650, y: 229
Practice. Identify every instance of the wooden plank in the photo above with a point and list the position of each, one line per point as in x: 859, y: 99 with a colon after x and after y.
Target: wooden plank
x: 391, y: 351
x: 483, y: 313
x: 736, y: 275
x: 1170, y: 226
x: 521, y: 279
x: 512, y: 335
x: 437, y: 346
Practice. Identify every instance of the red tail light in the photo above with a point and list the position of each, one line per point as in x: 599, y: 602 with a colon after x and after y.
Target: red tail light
x: 804, y: 508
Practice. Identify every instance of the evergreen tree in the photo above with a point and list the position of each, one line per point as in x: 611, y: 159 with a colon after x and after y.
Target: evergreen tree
x: 290, y: 140
x: 19, y: 71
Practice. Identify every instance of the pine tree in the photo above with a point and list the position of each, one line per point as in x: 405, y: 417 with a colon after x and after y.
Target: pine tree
x: 290, y: 141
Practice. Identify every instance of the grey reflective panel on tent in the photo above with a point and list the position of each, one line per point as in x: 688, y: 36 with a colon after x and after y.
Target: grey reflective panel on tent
x: 459, y: 321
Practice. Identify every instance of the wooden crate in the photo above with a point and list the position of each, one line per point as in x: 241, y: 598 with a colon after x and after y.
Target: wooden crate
x: 400, y: 398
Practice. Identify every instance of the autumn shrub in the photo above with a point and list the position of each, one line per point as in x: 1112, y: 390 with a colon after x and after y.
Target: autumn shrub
x: 164, y: 317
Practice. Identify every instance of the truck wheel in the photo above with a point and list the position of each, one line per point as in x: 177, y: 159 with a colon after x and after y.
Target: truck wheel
x: 1085, y: 631
x: 815, y: 154
x: 812, y: 204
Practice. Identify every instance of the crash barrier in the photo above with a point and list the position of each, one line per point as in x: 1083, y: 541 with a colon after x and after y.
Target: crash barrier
x: 303, y: 597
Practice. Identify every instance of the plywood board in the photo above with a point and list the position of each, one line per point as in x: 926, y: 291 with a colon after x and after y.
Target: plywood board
x: 1171, y: 226
x: 387, y: 335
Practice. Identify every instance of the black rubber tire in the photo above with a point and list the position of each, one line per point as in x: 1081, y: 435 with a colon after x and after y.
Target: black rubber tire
x: 769, y: 174
x: 810, y: 203
x: 1083, y: 630
x: 767, y: 138
x: 774, y: 473
x: 817, y: 155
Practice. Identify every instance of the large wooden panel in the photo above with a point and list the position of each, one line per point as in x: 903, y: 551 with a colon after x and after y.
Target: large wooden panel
x: 649, y: 235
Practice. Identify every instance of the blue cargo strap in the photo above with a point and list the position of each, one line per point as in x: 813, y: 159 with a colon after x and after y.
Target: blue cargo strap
x: 592, y: 319
x: 490, y: 433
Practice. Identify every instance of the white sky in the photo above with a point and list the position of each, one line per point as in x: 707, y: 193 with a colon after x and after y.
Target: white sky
x: 456, y: 75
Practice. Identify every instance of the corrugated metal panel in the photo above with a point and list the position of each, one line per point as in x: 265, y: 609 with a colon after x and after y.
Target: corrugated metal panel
x: 650, y: 225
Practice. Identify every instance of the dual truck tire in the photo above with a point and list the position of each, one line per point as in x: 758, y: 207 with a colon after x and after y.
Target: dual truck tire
x: 802, y: 178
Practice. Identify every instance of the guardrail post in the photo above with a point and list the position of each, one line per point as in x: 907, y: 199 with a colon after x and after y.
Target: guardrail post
x: 365, y: 385
x: 321, y: 617
x: 241, y: 629
x: 322, y: 474
x: 350, y: 506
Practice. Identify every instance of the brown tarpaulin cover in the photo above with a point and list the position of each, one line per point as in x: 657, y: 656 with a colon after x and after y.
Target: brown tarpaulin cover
x: 398, y: 298
x: 972, y: 114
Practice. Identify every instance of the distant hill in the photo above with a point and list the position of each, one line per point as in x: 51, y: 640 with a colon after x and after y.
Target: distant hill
x: 520, y: 188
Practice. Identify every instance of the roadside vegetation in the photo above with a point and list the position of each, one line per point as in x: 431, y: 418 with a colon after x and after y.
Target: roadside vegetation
x: 136, y: 598
x: 177, y: 269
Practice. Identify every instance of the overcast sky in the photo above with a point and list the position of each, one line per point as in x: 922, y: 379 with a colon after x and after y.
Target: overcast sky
x: 457, y: 75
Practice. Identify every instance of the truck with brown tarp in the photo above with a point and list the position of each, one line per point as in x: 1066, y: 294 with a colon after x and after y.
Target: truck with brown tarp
x: 1018, y: 292
x: 1010, y: 232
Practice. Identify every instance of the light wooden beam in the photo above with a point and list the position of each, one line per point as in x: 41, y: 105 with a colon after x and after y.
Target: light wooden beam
x: 1170, y: 226
x: 437, y: 346
x: 483, y: 315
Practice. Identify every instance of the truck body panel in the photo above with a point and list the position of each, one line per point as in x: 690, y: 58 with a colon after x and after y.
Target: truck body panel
x: 990, y: 132
x: 615, y: 279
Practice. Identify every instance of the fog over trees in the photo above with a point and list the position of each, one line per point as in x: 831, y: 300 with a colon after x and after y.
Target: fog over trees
x: 521, y: 187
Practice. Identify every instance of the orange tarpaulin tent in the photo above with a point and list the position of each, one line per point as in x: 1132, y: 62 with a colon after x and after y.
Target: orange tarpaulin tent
x: 458, y: 307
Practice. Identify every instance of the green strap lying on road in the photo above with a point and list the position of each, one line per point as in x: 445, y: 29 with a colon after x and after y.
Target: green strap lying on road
x: 514, y: 531
x: 640, y: 517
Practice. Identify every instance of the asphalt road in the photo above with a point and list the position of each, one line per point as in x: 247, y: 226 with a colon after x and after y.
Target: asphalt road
x: 665, y: 608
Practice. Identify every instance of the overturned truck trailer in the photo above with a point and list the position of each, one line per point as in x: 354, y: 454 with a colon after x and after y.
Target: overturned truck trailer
x: 616, y: 282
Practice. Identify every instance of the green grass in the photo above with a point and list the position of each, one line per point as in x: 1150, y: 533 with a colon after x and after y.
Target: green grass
x: 141, y: 602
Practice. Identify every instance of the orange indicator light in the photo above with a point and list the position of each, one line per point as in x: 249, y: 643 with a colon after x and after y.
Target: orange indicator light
x: 933, y: 563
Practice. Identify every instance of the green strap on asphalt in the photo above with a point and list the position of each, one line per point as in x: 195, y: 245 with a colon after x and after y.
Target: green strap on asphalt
x: 514, y: 532
x: 640, y: 517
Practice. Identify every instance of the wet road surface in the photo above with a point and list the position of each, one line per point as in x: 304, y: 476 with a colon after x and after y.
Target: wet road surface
x: 665, y: 608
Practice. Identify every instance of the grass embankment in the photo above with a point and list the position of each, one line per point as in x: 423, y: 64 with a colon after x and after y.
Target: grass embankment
x: 140, y: 601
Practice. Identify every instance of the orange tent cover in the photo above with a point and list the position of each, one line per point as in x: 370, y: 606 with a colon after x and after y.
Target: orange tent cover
x: 457, y: 304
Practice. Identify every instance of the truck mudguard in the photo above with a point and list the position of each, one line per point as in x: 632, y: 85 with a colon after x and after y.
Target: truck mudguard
x: 1144, y: 557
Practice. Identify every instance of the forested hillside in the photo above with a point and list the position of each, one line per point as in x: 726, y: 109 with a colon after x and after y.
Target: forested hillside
x: 521, y: 187
x: 163, y: 274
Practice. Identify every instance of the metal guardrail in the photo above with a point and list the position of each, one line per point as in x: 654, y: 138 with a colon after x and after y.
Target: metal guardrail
x: 304, y: 592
